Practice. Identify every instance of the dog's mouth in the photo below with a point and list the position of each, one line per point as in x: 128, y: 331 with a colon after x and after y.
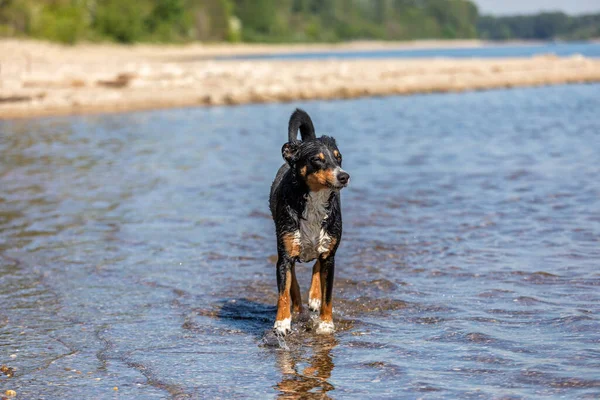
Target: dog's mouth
x: 338, y: 186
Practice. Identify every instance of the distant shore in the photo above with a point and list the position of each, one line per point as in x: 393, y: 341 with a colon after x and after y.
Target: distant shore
x: 42, y: 79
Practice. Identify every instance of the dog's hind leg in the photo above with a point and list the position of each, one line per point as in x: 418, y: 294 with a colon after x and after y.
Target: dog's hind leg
x: 295, y: 292
x: 314, y: 294
x: 327, y: 271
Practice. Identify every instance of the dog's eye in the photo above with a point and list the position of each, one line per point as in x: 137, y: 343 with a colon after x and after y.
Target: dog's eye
x: 317, y: 160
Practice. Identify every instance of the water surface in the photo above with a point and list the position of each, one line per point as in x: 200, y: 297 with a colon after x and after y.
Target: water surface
x: 136, y: 252
x: 566, y: 49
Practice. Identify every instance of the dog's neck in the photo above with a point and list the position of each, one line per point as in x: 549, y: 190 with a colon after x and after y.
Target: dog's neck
x: 317, y: 203
x: 313, y: 238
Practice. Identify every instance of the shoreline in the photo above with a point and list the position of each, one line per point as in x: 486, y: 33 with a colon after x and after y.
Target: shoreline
x: 40, y: 79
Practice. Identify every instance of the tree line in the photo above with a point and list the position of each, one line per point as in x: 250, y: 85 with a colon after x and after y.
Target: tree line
x: 168, y: 21
x: 543, y: 26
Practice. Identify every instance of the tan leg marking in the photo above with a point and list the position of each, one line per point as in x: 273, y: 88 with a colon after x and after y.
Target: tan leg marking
x: 291, y: 245
x: 284, y: 301
x: 330, y: 248
x: 326, y: 311
x: 314, y: 294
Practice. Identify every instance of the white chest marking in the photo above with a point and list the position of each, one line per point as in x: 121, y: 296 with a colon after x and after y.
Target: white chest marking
x: 313, y: 239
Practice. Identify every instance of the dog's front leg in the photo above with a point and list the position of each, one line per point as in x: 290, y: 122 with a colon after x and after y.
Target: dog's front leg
x: 283, y: 321
x: 327, y: 271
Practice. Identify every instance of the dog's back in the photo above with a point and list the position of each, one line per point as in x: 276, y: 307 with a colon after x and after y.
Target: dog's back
x: 285, y: 168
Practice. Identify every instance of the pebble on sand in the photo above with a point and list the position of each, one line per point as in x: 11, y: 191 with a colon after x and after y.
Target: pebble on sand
x: 8, y: 371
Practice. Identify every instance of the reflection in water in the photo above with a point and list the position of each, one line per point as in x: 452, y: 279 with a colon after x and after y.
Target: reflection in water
x: 304, y: 359
x: 302, y: 381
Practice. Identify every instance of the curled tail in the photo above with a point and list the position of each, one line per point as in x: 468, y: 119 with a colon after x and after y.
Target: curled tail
x: 300, y: 119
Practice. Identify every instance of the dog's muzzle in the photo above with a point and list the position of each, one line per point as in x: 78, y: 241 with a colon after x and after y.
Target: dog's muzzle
x: 343, y: 178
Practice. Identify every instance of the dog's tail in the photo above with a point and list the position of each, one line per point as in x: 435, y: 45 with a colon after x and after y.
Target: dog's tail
x: 300, y: 119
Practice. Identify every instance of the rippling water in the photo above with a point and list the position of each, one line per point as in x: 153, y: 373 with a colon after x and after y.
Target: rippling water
x: 136, y: 252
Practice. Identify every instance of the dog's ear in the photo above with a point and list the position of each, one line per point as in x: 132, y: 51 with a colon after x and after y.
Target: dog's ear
x: 289, y: 151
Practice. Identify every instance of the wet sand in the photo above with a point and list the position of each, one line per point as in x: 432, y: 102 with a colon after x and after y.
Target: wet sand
x: 39, y: 79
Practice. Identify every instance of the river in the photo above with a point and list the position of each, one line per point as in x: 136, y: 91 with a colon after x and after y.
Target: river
x: 137, y: 252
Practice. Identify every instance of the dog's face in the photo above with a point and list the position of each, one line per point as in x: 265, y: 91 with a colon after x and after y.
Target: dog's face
x: 317, y: 162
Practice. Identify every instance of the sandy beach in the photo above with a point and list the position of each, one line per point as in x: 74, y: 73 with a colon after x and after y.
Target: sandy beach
x: 41, y: 79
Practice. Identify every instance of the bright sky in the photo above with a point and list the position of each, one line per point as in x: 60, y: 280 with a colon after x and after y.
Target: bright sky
x: 503, y: 7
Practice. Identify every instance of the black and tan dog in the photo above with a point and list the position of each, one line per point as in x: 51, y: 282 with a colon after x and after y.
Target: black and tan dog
x: 305, y: 204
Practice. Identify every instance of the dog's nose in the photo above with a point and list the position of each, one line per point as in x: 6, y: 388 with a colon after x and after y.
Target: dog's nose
x: 343, y: 177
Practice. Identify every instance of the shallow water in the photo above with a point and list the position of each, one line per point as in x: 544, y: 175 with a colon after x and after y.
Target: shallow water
x: 587, y: 49
x: 136, y: 252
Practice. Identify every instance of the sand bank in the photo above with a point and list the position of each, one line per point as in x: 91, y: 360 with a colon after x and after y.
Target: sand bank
x: 38, y: 79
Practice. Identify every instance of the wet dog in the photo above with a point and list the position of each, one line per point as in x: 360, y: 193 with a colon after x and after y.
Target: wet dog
x: 305, y: 205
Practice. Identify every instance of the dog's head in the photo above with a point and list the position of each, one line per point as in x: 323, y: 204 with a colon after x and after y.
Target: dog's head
x: 317, y: 162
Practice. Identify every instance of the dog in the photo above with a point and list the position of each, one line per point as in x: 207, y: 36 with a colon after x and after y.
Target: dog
x: 305, y: 205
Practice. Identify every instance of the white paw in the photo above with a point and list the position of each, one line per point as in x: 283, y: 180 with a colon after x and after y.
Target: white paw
x: 283, y: 327
x: 325, y: 328
x: 314, y: 305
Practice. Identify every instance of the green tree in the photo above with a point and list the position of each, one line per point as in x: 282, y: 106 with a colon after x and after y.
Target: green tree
x: 60, y: 21
x: 277, y: 20
x: 122, y: 21
x: 258, y: 16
